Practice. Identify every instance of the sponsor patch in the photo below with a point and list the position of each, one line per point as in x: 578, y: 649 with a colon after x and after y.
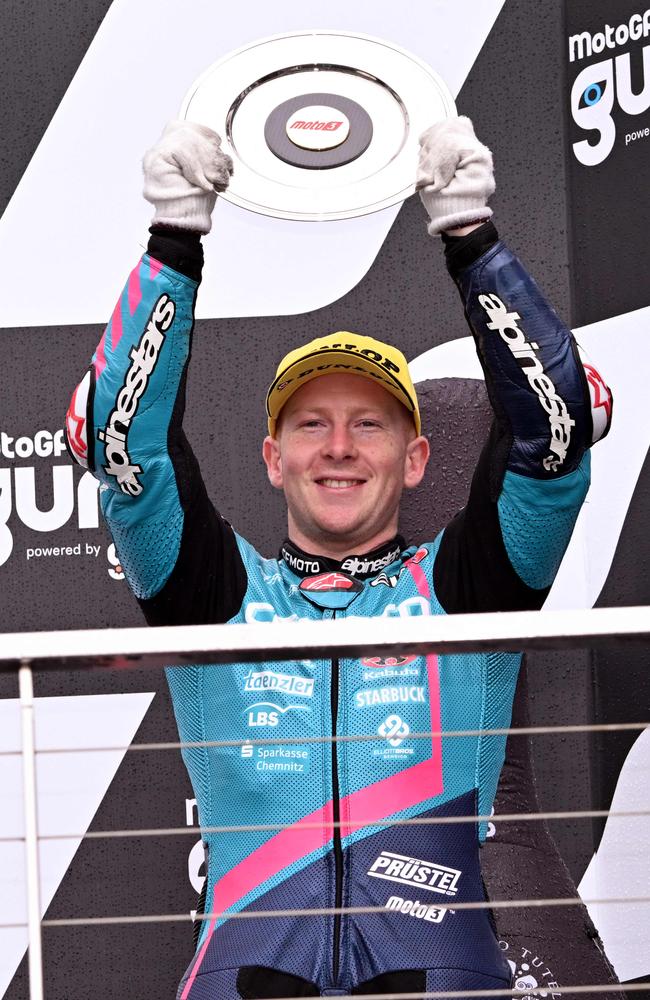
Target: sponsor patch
x: 273, y: 680
x: 396, y: 694
x: 414, y: 908
x: 395, y: 730
x: 415, y: 872
x: 267, y: 714
x: 277, y: 760
x: 387, y: 661
x: 389, y: 668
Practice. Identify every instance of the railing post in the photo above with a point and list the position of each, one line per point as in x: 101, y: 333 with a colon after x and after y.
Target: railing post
x: 26, y: 690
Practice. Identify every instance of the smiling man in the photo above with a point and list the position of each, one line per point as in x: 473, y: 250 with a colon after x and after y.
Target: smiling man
x: 344, y: 447
x: 344, y: 441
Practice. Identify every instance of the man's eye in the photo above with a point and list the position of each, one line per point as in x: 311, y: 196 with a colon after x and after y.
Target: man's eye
x: 592, y: 94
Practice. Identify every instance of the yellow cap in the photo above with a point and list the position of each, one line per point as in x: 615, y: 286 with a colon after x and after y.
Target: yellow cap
x: 340, y: 353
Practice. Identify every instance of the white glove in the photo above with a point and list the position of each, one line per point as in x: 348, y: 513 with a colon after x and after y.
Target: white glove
x: 182, y: 174
x: 455, y: 176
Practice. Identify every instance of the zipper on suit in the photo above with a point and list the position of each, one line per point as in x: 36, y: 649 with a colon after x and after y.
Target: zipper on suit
x: 336, y: 814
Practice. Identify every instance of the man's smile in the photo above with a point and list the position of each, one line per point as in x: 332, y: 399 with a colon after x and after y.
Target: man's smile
x: 339, y: 484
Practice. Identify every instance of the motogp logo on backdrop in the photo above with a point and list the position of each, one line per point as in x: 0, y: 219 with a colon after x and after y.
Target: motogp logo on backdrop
x: 599, y: 86
x: 43, y: 501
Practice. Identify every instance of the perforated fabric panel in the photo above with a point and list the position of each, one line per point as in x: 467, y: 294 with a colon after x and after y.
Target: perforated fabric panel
x: 463, y: 683
x: 297, y: 946
x: 186, y: 687
x: 501, y: 678
x: 402, y: 934
x: 537, y: 519
x: 148, y: 550
x: 224, y: 985
x: 275, y: 785
x: 455, y: 980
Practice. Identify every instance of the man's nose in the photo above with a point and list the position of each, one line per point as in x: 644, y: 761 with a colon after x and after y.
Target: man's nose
x: 340, y: 443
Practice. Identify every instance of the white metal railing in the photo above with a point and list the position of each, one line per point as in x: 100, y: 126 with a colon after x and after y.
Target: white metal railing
x: 351, y: 637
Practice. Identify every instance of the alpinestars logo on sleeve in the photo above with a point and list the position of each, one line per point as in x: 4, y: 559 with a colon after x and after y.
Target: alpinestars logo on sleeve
x: 525, y: 354
x: 144, y: 358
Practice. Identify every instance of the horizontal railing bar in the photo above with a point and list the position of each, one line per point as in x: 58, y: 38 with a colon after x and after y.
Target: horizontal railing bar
x: 175, y: 831
x: 352, y: 637
x: 596, y: 727
x: 329, y: 911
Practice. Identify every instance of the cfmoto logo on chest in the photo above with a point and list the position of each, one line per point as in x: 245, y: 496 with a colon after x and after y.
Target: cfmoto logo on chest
x: 413, y: 871
x: 602, y: 84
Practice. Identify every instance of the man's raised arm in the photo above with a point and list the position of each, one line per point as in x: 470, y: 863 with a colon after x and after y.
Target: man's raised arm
x: 124, y: 423
x: 503, y: 550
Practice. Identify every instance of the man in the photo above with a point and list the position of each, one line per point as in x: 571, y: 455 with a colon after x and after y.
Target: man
x: 344, y: 440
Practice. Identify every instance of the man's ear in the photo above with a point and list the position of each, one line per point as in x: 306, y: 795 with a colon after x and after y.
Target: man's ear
x: 417, y: 456
x: 273, y: 461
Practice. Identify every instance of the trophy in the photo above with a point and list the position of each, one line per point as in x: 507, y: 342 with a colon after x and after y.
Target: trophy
x: 321, y: 125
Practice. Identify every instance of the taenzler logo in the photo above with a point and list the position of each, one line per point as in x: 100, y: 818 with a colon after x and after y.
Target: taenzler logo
x: 271, y: 680
x: 599, y: 85
x: 401, y: 693
x: 413, y: 871
x: 414, y: 908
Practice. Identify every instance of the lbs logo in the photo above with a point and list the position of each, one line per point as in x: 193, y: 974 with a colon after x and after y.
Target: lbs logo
x: 600, y: 85
x: 268, y: 714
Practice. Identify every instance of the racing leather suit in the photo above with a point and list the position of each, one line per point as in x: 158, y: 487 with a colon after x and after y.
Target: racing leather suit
x: 333, y: 803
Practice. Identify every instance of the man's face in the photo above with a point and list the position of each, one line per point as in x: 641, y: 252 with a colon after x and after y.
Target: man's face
x: 344, y: 451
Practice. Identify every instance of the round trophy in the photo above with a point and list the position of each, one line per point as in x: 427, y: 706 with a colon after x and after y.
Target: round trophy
x: 321, y: 125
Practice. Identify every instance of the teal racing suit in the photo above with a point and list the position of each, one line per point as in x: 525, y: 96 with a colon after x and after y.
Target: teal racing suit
x: 330, y: 807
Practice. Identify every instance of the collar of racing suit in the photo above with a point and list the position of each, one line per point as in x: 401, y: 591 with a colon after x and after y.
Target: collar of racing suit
x: 362, y: 567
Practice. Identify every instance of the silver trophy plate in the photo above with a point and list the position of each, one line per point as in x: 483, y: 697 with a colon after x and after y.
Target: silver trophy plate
x: 321, y: 125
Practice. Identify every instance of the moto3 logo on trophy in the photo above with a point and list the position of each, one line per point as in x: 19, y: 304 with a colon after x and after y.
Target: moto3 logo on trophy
x: 317, y: 127
x: 43, y: 500
x: 620, y: 81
